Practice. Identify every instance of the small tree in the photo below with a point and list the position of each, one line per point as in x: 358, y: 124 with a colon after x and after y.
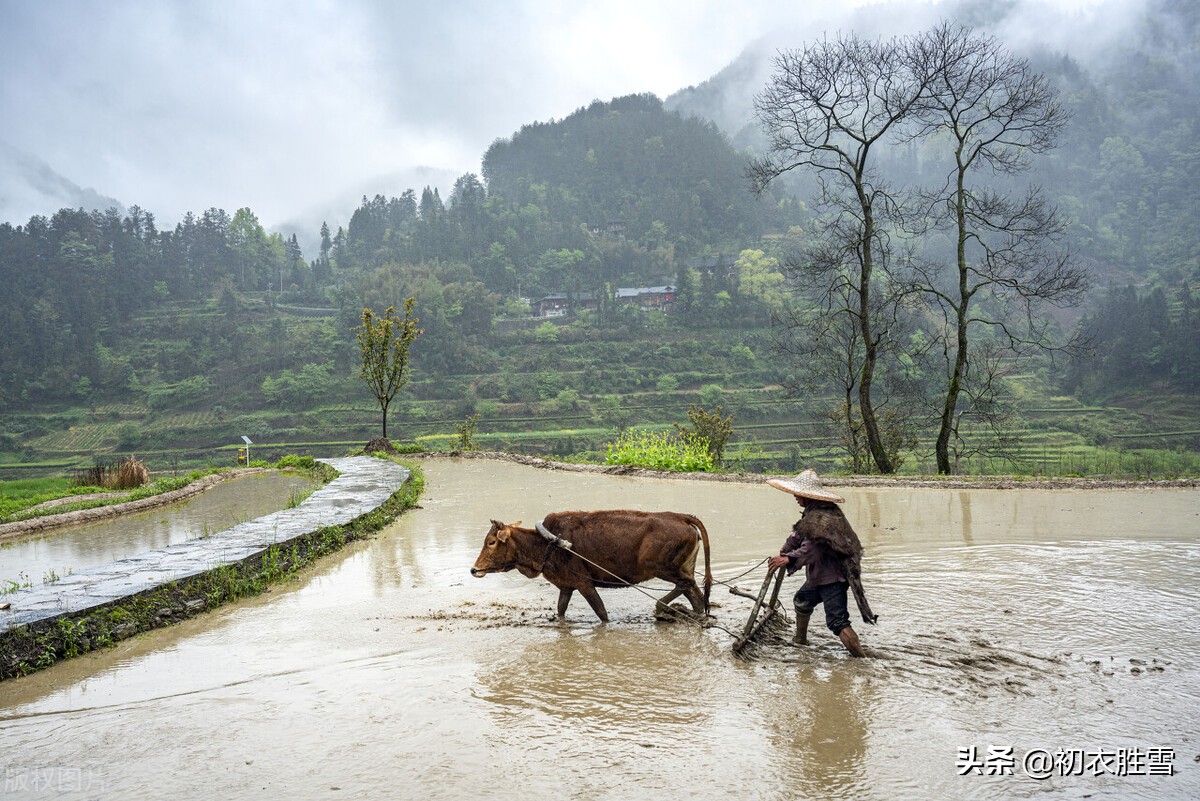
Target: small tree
x: 384, y: 342
x: 466, y: 434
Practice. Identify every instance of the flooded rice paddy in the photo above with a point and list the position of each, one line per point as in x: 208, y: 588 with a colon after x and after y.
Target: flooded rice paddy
x: 1011, y: 623
x: 73, y: 548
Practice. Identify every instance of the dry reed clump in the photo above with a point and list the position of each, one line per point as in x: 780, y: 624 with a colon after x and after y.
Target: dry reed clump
x: 126, y: 474
x: 379, y: 445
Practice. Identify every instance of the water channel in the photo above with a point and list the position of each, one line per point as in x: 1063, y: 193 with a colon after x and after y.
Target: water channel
x: 73, y: 548
x: 1019, y: 620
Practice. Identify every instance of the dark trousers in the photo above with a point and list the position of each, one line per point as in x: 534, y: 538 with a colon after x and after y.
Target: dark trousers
x: 833, y: 596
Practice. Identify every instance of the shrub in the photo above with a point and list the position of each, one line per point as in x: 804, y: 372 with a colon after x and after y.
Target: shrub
x: 681, y: 453
x: 711, y: 395
x: 667, y: 383
x: 549, y: 384
x: 126, y: 474
x: 711, y: 428
x: 567, y: 401
x: 296, y: 462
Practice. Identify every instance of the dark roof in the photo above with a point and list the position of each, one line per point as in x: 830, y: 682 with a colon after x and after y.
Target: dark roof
x: 565, y: 297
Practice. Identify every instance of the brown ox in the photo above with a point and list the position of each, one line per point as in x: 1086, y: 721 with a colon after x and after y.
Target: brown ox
x: 622, y: 548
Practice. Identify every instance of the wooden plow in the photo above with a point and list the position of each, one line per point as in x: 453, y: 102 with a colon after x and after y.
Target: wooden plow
x: 766, y: 617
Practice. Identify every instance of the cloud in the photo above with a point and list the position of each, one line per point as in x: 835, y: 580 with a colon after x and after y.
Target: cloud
x: 280, y: 105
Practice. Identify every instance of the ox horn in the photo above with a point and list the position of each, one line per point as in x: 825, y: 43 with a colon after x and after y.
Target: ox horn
x: 551, y: 537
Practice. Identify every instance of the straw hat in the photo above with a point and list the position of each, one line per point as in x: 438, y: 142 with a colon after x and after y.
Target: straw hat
x: 805, y: 485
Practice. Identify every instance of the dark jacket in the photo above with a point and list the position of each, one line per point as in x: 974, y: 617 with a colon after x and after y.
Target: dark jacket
x: 821, y: 566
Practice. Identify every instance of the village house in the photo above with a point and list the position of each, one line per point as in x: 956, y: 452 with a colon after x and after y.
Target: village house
x: 648, y: 298
x: 559, y: 304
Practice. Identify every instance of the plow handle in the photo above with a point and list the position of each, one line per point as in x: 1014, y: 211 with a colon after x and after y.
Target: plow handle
x: 776, y: 574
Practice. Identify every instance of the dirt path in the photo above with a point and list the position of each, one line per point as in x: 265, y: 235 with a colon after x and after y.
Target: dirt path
x: 91, y: 496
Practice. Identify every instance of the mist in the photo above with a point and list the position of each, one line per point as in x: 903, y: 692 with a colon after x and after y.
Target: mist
x: 297, y: 110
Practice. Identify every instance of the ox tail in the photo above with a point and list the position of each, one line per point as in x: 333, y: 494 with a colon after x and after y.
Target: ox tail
x: 708, y: 579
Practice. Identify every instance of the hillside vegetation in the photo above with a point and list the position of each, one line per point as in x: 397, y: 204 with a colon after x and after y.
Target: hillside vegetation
x: 173, y: 344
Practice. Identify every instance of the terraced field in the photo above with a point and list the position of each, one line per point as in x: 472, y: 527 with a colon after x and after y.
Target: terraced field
x: 568, y: 399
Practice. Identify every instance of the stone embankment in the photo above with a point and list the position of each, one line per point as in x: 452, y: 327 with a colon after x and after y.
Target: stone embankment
x: 98, y: 605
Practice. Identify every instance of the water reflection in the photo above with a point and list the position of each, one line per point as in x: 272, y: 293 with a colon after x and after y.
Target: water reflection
x: 73, y: 548
x: 819, y: 719
x: 605, y: 679
x: 1026, y: 619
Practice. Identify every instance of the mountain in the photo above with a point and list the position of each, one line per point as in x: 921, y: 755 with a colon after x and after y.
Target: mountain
x: 1126, y: 167
x: 632, y: 162
x: 29, y: 186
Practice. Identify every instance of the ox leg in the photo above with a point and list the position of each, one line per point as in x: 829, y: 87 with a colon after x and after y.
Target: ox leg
x: 688, y: 590
x: 564, y: 598
x: 589, y: 593
x: 662, y: 607
x: 696, y: 598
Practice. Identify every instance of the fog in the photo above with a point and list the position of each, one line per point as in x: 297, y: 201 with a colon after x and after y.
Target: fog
x: 297, y: 109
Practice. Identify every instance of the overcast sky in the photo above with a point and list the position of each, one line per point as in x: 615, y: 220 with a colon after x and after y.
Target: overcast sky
x: 292, y: 107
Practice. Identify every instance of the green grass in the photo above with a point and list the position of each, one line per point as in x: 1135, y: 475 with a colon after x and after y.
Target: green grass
x: 23, y: 488
x: 20, y: 494
x: 21, y: 509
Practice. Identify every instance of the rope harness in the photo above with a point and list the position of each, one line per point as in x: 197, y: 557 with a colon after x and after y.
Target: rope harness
x: 553, y: 541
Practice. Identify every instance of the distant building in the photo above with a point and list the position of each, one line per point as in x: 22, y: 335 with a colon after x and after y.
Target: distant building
x: 612, y: 227
x: 558, y: 304
x: 648, y: 298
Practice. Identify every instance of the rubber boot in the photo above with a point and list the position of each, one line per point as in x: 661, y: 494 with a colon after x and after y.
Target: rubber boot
x: 850, y: 640
x: 801, y: 637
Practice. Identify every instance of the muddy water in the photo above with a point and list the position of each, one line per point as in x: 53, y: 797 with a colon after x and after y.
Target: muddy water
x: 72, y: 548
x: 1022, y: 620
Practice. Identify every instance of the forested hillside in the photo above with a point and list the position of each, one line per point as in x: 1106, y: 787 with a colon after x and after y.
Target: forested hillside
x: 616, y: 192
x: 216, y: 327
x: 78, y: 283
x: 120, y: 335
x: 1125, y: 170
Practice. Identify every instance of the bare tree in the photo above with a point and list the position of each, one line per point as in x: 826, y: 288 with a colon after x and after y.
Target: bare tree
x: 820, y: 329
x: 826, y: 108
x: 994, y: 112
x: 824, y: 339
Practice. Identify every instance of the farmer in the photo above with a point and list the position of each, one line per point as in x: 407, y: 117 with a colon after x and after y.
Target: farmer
x: 825, y: 545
